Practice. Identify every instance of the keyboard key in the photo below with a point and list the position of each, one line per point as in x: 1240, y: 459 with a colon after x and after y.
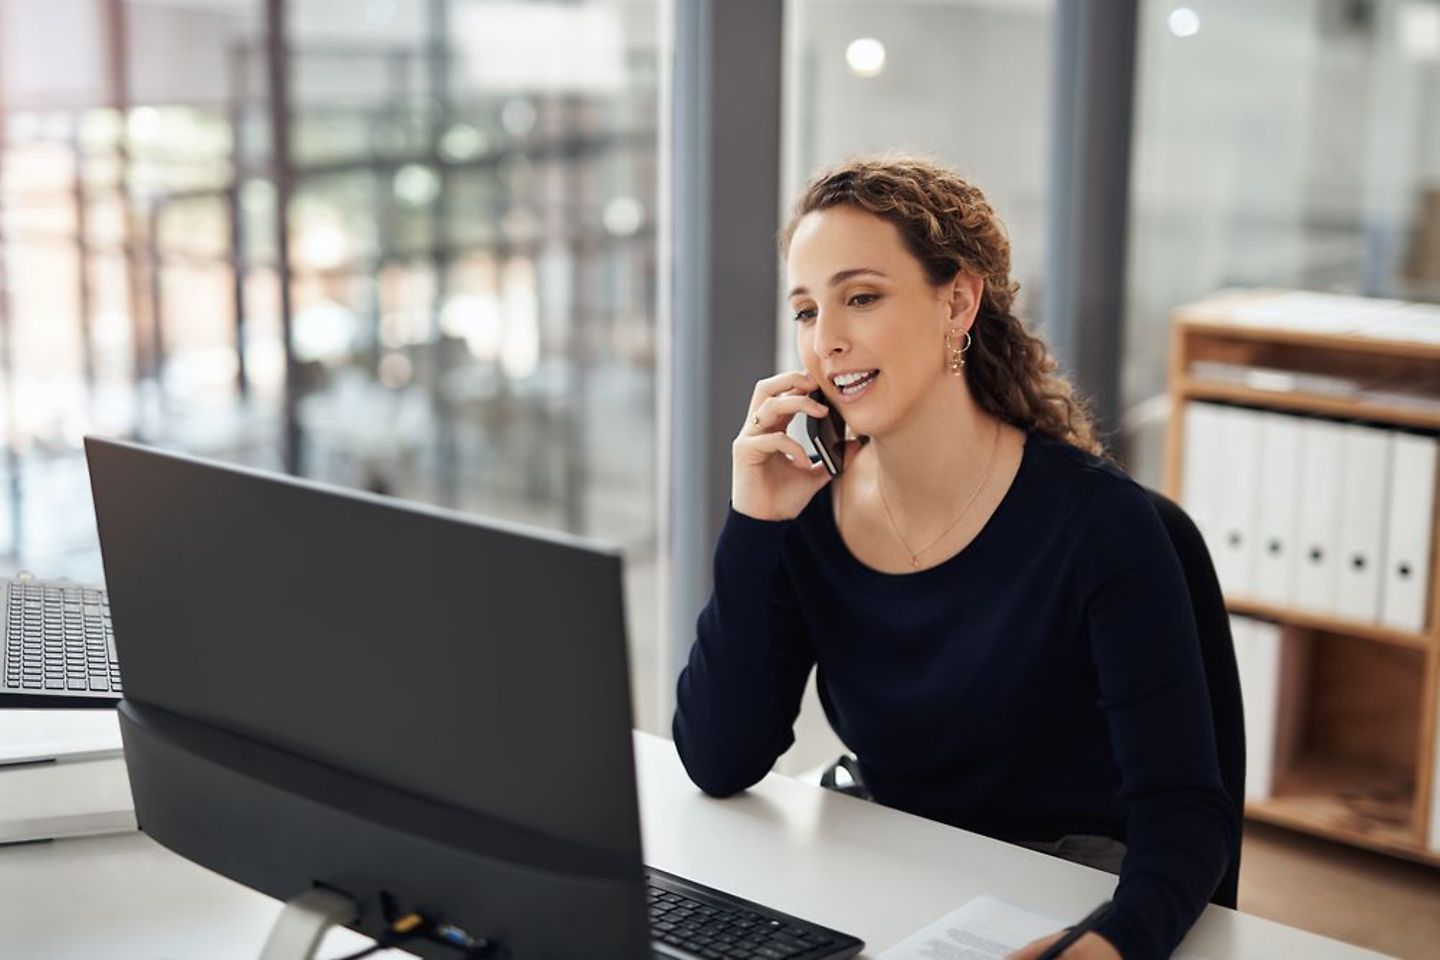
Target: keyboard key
x: 782, y: 942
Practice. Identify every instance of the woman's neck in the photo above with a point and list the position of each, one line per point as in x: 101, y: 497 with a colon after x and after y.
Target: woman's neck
x: 930, y: 465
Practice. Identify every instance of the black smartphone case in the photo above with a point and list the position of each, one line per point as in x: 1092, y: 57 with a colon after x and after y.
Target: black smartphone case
x: 828, y: 435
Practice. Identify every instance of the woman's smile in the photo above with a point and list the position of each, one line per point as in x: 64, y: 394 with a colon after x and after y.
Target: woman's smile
x: 854, y: 385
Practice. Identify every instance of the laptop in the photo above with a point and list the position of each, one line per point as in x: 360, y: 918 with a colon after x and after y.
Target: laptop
x: 472, y: 662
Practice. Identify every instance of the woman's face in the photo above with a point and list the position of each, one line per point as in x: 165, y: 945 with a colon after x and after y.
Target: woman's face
x: 863, y: 306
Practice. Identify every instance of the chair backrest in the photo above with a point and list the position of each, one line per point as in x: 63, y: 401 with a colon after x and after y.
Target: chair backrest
x: 1217, y: 650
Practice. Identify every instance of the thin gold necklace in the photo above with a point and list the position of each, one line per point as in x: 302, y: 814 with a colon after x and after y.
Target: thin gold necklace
x: 915, y: 554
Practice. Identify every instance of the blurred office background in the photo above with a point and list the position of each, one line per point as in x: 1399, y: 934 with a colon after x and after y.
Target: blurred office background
x: 475, y: 258
x: 474, y: 300
x: 1294, y: 143
x: 471, y: 256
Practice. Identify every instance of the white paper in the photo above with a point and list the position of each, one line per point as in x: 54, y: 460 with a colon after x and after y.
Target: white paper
x: 27, y: 735
x: 74, y: 799
x: 983, y: 929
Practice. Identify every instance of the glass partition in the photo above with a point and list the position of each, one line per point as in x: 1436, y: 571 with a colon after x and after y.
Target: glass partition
x: 472, y: 259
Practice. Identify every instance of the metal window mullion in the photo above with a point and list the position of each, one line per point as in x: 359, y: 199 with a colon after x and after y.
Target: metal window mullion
x: 1091, y: 134
x: 724, y: 195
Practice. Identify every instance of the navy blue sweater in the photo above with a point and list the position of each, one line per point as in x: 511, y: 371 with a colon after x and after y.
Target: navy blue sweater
x: 1046, y: 680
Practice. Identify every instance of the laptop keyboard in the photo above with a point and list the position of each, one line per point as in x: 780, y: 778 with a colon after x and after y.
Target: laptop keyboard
x: 722, y: 932
x: 58, y: 637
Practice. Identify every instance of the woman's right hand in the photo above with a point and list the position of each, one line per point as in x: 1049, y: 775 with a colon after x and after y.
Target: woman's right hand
x: 771, y: 475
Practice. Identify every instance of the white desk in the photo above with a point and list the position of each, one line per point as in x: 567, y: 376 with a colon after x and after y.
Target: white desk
x: 858, y: 867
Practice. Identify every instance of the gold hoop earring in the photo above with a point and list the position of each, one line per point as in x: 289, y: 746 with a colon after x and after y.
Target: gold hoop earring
x: 955, y: 355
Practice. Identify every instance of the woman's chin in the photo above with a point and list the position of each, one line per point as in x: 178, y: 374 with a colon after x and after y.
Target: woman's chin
x: 868, y: 423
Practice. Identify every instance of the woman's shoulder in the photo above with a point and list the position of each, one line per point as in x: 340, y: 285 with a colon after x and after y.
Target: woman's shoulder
x: 1084, y: 480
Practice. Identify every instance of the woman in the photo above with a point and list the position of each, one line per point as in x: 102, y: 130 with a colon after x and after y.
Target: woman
x: 1001, y: 626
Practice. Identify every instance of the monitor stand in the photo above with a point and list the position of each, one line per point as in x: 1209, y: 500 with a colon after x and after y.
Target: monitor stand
x: 303, y: 923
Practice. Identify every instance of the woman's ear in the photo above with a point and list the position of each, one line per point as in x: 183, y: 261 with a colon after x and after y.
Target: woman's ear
x: 965, y: 292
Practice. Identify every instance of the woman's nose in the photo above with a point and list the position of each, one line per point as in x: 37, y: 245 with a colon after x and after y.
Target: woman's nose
x: 829, y: 338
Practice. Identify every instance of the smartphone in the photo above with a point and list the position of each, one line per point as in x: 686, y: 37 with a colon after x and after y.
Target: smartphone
x: 828, y: 435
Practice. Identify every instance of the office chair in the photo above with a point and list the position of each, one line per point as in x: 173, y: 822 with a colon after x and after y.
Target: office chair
x: 1222, y: 678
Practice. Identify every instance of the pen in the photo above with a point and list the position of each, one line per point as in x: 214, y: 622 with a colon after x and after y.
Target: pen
x: 1093, y: 920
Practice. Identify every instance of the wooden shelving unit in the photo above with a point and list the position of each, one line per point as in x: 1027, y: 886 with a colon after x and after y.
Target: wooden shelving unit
x: 1361, y: 805
x: 1364, y: 773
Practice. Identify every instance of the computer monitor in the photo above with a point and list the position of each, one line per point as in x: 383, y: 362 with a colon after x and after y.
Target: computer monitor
x: 413, y: 708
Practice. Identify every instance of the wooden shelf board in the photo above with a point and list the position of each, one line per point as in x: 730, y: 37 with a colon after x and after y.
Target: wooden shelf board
x: 1198, y: 388
x: 1279, y: 815
x: 1329, y: 624
x: 1354, y: 802
x: 1192, y: 323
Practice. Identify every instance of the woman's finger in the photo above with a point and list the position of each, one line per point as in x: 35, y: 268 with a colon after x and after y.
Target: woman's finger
x: 1034, y: 948
x: 793, y: 380
x: 776, y: 412
x: 765, y: 444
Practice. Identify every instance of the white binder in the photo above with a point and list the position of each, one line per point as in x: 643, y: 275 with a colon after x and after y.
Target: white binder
x: 1279, y: 512
x: 1318, y: 495
x: 1258, y: 663
x: 1364, y: 487
x: 1405, y: 574
x: 1435, y: 788
x: 1239, y: 465
x: 1200, y: 475
x: 1273, y: 683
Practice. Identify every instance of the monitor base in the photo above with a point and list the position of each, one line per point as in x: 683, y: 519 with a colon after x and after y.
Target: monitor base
x: 304, y: 921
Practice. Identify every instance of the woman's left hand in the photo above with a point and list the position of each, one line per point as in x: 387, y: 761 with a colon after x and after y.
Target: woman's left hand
x: 1092, y: 946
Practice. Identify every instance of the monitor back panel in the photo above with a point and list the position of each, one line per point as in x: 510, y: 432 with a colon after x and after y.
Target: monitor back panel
x: 475, y: 663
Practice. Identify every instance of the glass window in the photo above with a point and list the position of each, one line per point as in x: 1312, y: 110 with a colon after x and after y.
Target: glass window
x: 472, y: 248
x: 964, y: 81
x: 1287, y: 144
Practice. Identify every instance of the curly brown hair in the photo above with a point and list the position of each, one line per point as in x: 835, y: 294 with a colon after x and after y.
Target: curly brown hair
x: 949, y: 226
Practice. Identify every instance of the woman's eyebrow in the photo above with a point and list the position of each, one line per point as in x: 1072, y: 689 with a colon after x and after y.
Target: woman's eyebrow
x: 840, y: 277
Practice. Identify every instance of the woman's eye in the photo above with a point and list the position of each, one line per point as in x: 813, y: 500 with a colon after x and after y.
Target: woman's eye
x: 802, y: 315
x: 863, y: 299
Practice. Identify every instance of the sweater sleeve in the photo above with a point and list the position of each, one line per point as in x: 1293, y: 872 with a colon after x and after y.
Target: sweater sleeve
x: 1180, y: 823
x: 740, y: 692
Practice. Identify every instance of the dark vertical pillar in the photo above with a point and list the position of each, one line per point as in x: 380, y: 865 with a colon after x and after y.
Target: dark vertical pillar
x: 234, y: 197
x: 438, y: 62
x: 580, y: 173
x: 389, y: 117
x: 84, y: 289
x: 157, y: 299
x: 725, y: 199
x: 117, y: 61
x: 1093, y: 92
x: 277, y: 70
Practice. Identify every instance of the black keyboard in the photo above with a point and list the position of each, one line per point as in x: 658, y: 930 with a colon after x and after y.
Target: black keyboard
x: 690, y: 920
x: 59, y: 650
